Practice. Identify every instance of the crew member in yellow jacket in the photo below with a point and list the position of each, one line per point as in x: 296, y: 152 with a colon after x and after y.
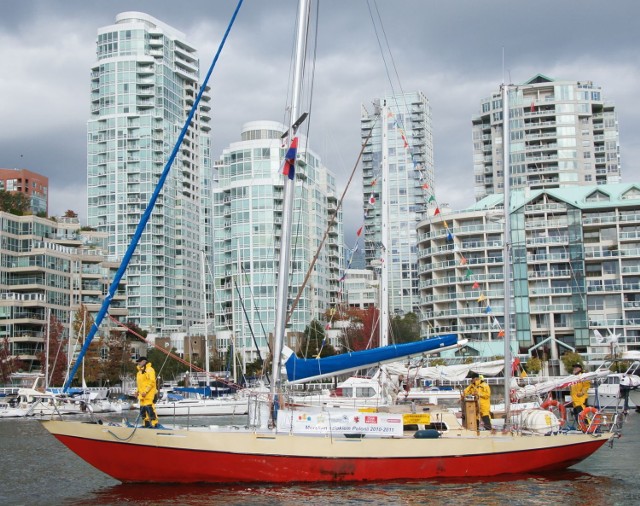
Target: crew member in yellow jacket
x: 482, y: 392
x: 579, y: 392
x: 147, y: 391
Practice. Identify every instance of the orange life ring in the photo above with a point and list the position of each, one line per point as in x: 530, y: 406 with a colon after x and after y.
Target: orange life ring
x: 550, y: 403
x: 589, y: 424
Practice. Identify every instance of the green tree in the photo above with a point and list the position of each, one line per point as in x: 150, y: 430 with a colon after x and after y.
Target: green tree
x: 405, y: 328
x: 167, y: 367
x: 570, y: 358
x: 15, y: 203
x: 255, y: 368
x: 534, y: 365
x: 314, y: 342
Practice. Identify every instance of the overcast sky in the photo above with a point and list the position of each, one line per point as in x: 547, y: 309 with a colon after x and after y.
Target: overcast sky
x: 450, y: 50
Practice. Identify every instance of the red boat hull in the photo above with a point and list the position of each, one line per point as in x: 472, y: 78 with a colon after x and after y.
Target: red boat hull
x: 139, y: 463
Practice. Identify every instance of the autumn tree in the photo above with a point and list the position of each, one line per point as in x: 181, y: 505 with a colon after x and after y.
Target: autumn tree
x: 8, y: 363
x: 55, y: 356
x: 118, y: 362
x: 70, y: 213
x: 82, y: 323
x: 351, y: 337
x: 364, y: 332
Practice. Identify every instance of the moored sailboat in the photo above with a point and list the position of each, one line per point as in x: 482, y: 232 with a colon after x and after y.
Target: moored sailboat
x: 302, y: 444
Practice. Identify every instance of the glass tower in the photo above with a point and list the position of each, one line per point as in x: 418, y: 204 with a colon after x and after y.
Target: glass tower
x: 402, y: 138
x: 247, y: 224
x: 143, y: 84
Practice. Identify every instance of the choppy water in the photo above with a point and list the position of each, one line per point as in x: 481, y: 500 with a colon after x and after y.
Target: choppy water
x: 35, y: 469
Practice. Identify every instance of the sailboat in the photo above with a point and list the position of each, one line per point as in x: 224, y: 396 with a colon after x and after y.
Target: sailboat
x: 285, y: 444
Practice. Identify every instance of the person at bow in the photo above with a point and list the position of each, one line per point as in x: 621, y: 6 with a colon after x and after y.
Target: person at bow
x: 147, y: 392
x: 579, y: 392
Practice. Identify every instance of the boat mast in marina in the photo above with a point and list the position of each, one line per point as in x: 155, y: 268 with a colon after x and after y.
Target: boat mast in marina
x: 288, y: 197
x: 506, y: 252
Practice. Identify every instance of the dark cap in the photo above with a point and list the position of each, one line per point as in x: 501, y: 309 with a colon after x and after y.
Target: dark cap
x: 141, y: 359
x: 474, y: 375
x: 577, y: 365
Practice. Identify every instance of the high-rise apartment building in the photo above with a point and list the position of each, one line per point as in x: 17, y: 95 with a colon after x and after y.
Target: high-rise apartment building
x: 35, y: 186
x: 402, y: 140
x: 576, y: 269
x: 247, y: 225
x: 143, y: 85
x: 563, y: 133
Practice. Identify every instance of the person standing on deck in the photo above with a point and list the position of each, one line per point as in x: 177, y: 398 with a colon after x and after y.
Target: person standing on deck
x: 482, y: 392
x: 625, y: 388
x: 579, y: 392
x: 147, y: 392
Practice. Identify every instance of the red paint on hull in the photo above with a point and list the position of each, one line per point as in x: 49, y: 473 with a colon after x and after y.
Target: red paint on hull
x: 166, y: 465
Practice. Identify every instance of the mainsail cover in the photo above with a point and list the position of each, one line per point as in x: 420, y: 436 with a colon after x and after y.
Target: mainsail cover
x: 307, y: 369
x: 565, y: 382
x: 451, y: 373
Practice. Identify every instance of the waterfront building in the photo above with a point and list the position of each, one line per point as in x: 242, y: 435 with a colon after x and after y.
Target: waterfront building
x: 143, y: 85
x: 35, y: 186
x: 247, y: 221
x: 50, y: 267
x: 563, y: 133
x: 576, y: 268
x: 361, y: 288
x: 401, y: 137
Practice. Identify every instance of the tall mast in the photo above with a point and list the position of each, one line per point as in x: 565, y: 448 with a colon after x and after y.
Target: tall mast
x: 384, y: 231
x: 506, y: 254
x: 288, y: 198
x: 207, y: 358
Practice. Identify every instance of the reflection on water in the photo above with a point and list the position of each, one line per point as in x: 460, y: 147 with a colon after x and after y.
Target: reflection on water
x: 36, y: 469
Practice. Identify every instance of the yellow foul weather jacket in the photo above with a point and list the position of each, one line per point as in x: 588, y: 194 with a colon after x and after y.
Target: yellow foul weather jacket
x: 579, y: 393
x: 146, y: 382
x: 483, y: 392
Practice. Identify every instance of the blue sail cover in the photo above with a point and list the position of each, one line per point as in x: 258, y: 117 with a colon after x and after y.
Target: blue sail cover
x: 306, y: 369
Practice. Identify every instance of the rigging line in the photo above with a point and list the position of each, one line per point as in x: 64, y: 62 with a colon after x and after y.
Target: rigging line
x: 253, y: 336
x: 384, y: 33
x: 393, y: 63
x: 384, y: 60
x: 166, y: 359
x: 330, y: 224
x: 172, y: 355
x: 312, y: 79
x: 147, y: 213
x: 255, y: 305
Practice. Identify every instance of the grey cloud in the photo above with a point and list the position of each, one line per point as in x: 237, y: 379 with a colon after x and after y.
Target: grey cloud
x: 453, y: 51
